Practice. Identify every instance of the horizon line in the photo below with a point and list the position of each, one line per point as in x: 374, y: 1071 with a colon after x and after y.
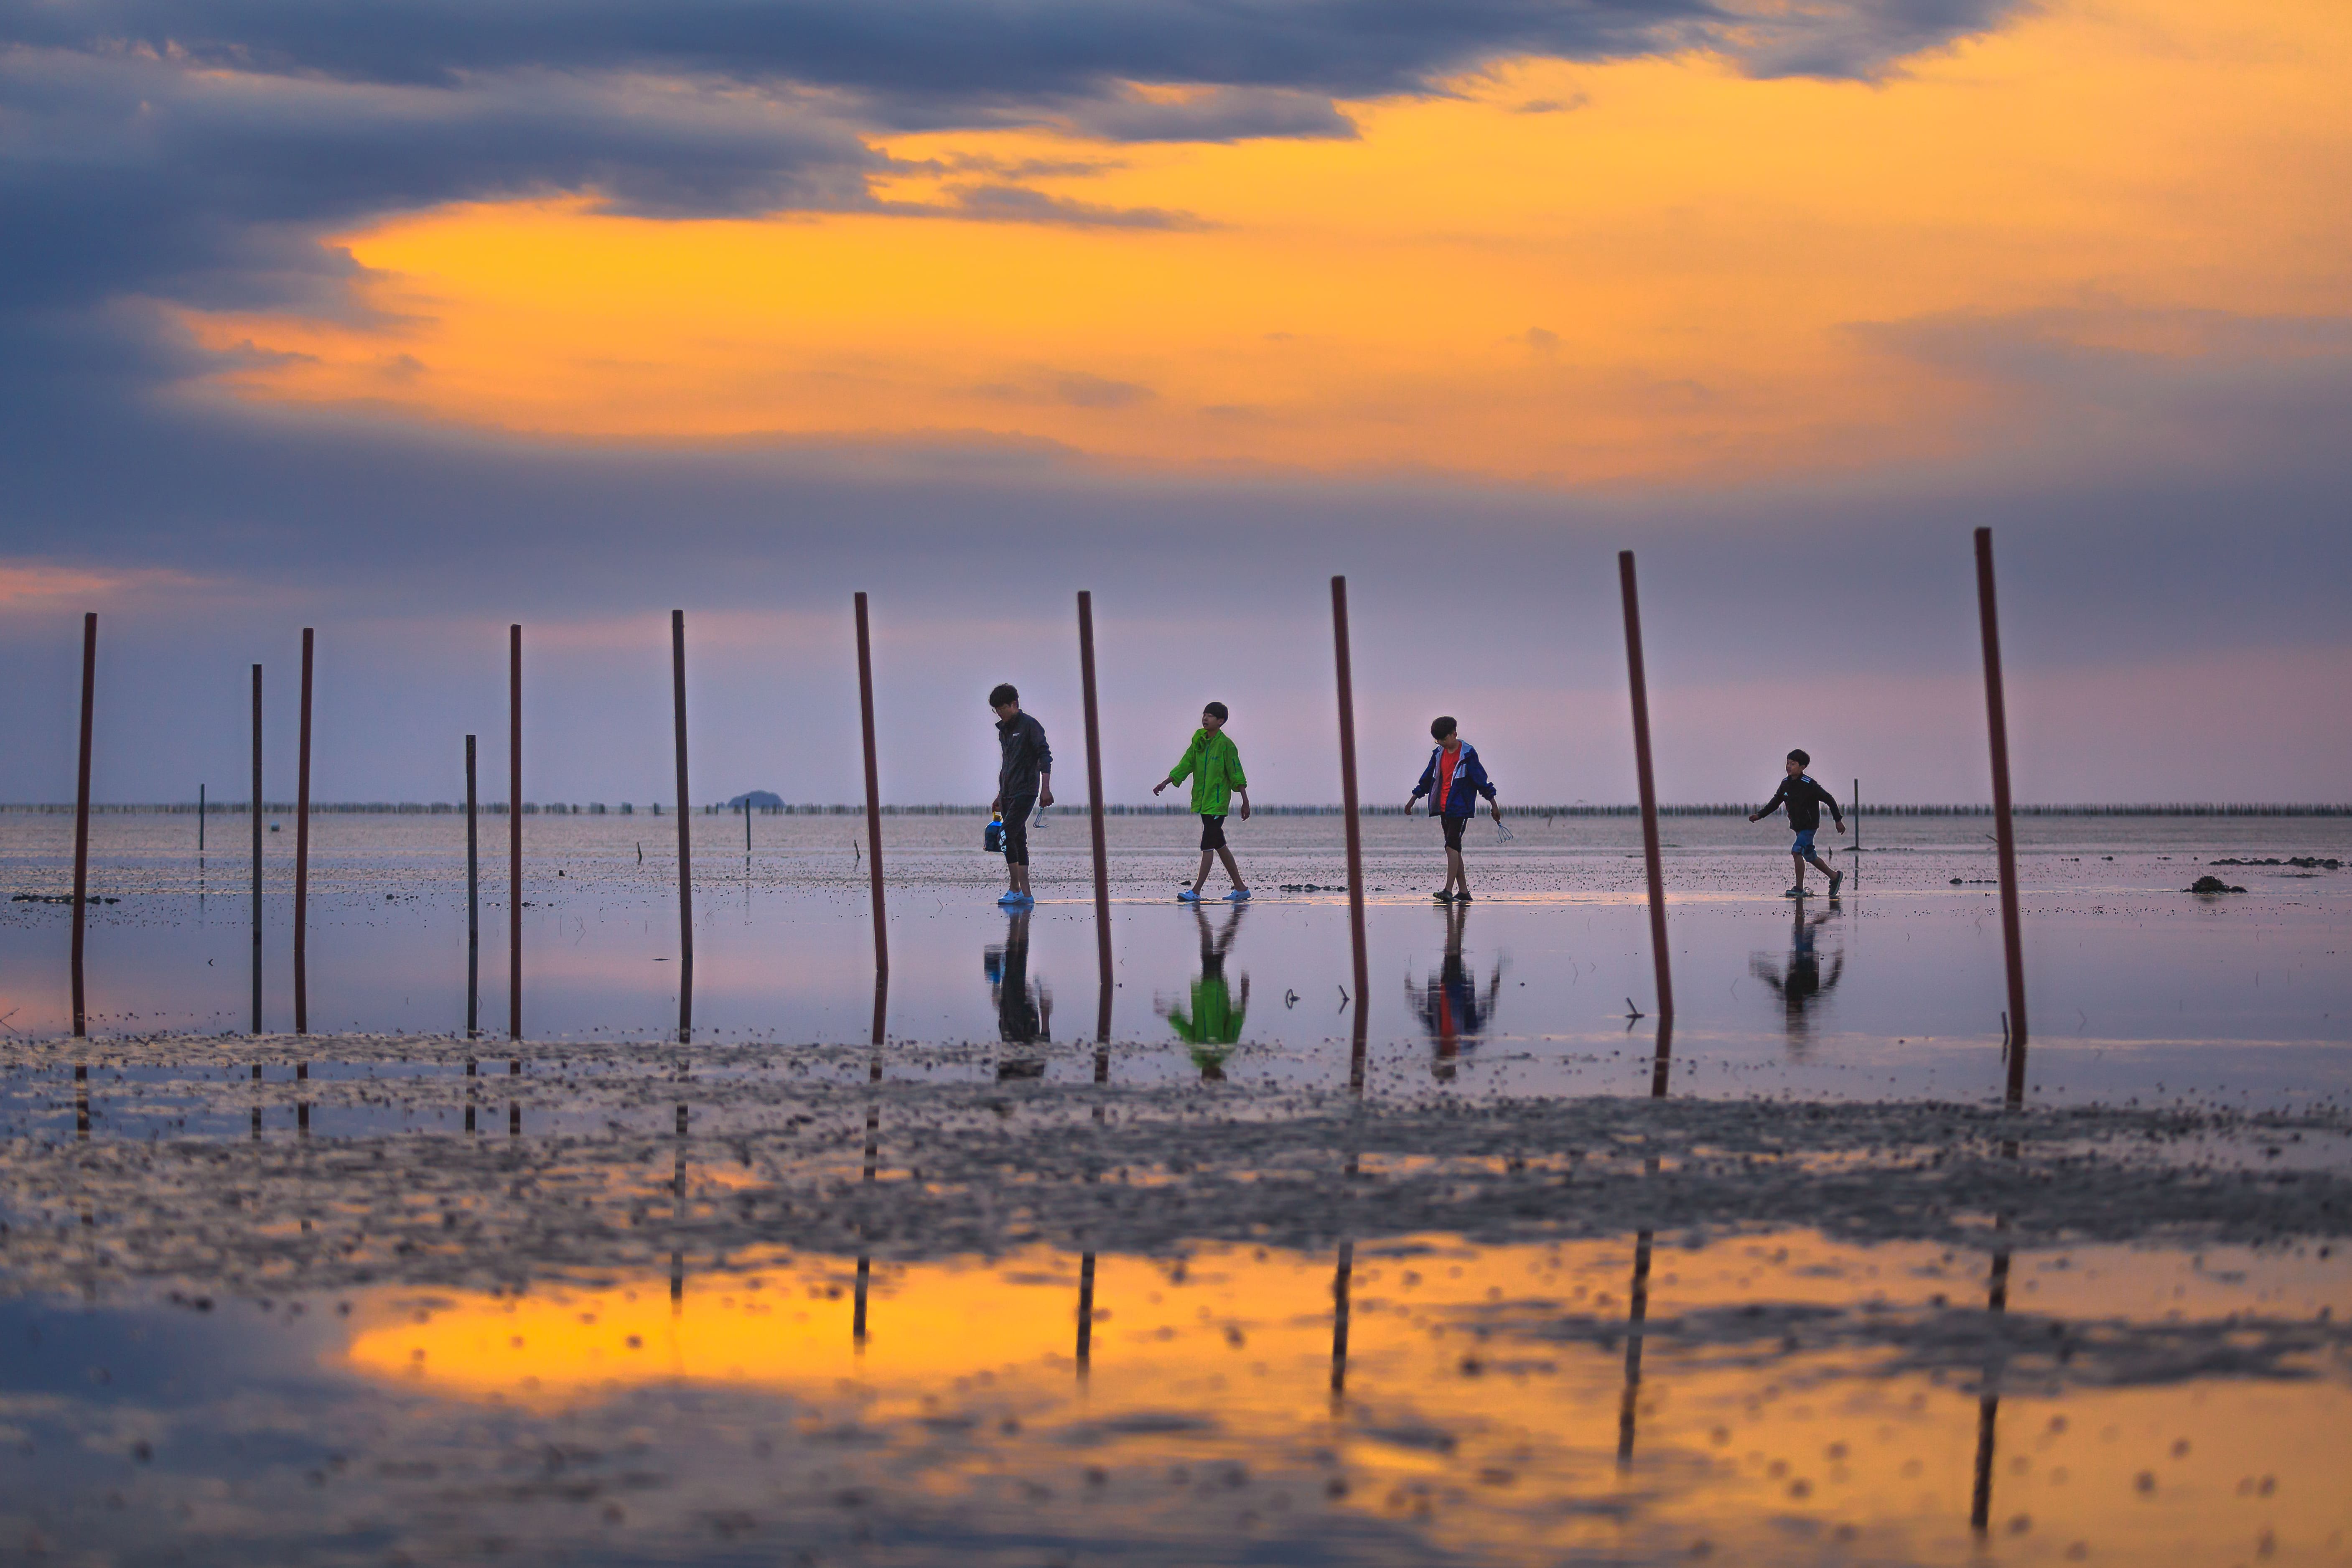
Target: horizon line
x: 1578, y: 808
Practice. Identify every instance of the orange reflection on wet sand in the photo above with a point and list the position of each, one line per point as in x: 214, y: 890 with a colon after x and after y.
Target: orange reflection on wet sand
x: 1483, y: 1394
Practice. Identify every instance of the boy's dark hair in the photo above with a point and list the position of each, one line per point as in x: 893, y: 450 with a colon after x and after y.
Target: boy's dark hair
x: 1441, y: 728
x: 1003, y: 694
x: 1217, y: 710
x: 1800, y: 757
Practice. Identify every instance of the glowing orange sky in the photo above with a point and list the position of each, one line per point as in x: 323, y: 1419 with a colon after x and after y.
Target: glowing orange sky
x: 1664, y: 280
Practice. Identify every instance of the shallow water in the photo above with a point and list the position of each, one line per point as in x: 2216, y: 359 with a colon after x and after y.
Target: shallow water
x: 1211, y: 1290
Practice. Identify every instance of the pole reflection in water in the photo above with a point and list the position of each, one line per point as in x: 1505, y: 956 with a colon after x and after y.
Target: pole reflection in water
x: 677, y: 1215
x: 1340, y: 1277
x: 1988, y: 1404
x: 1800, y: 983
x: 1450, y: 1006
x: 1637, y: 1312
x: 873, y: 1152
x: 1212, y: 1024
x: 1025, y: 1009
x: 81, y: 1101
x: 866, y: 1176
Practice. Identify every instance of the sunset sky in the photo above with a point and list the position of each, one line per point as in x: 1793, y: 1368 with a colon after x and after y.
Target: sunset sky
x: 409, y: 321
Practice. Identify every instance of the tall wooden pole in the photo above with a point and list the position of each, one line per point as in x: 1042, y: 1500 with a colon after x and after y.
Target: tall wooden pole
x: 1348, y: 800
x: 473, y: 905
x: 1095, y: 815
x: 81, y: 813
x: 1638, y: 680
x: 257, y: 850
x: 873, y: 793
x: 302, y: 854
x: 2013, y: 937
x: 514, y: 832
x: 685, y: 825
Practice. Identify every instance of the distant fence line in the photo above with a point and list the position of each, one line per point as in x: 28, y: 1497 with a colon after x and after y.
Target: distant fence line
x: 559, y: 808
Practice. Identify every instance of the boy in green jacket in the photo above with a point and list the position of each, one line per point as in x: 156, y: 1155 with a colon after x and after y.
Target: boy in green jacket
x: 1214, y: 764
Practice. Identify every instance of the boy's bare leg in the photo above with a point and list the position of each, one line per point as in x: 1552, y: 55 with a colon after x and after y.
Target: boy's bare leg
x: 1457, y: 878
x: 1020, y: 879
x: 1799, y: 862
x: 1200, y: 877
x: 1817, y: 861
x: 1231, y: 871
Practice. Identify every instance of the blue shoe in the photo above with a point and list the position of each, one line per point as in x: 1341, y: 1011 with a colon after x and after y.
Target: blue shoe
x: 1010, y: 897
x: 1025, y: 900
x: 1239, y: 895
x: 1189, y: 896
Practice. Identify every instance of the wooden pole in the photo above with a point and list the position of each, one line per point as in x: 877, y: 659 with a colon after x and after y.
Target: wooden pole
x: 473, y: 906
x: 302, y: 854
x: 1355, y: 832
x: 685, y: 825
x: 200, y: 825
x: 873, y: 796
x: 514, y: 832
x: 81, y: 813
x: 1638, y: 680
x: 2013, y: 937
x: 1094, y: 815
x: 256, y: 849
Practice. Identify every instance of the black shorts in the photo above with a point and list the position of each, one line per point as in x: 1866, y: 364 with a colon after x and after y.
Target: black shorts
x: 1453, y: 826
x: 1017, y: 829
x: 1212, y: 832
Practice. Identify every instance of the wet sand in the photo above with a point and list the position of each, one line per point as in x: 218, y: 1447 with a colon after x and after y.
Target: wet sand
x: 994, y: 1292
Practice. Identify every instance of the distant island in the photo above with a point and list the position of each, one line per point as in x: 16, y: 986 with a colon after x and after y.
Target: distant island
x: 758, y: 799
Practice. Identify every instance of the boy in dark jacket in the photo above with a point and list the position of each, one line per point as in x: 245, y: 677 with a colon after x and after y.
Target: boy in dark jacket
x: 1024, y: 780
x: 1804, y: 799
x: 1453, y: 781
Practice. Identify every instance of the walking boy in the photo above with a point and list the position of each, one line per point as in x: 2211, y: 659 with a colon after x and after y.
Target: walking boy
x: 1024, y: 780
x: 1804, y: 799
x: 1214, y: 764
x: 1453, y: 781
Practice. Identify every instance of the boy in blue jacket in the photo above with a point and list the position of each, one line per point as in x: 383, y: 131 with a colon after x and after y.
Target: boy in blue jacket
x: 1453, y: 781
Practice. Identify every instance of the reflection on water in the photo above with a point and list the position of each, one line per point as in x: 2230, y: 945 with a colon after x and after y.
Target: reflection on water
x: 1796, y: 1397
x: 929, y: 1302
x: 1798, y: 981
x: 1211, y: 1024
x: 1024, y: 1007
x: 1451, y: 1006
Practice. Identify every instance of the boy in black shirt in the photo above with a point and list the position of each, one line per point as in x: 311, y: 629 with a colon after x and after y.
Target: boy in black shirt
x: 1804, y: 799
x: 1024, y: 780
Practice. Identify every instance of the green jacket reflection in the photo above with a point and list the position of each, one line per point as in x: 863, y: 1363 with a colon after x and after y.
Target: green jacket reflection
x: 1215, y: 1020
x: 1214, y: 765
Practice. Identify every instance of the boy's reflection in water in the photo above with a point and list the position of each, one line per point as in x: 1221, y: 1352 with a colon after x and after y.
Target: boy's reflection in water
x: 1800, y: 983
x: 1214, y: 1025
x: 1450, y: 1006
x: 1024, y: 1010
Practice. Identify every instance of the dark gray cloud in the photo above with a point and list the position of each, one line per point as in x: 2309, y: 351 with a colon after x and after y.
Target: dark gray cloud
x: 997, y: 50
x: 124, y: 174
x: 1019, y: 204
x: 1216, y: 114
x: 196, y: 151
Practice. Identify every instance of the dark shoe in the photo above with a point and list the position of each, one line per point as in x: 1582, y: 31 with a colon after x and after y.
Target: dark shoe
x: 1835, y: 877
x: 1462, y: 896
x: 1443, y: 897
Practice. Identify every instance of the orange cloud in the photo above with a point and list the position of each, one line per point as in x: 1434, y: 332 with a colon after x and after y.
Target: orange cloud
x: 1650, y: 269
